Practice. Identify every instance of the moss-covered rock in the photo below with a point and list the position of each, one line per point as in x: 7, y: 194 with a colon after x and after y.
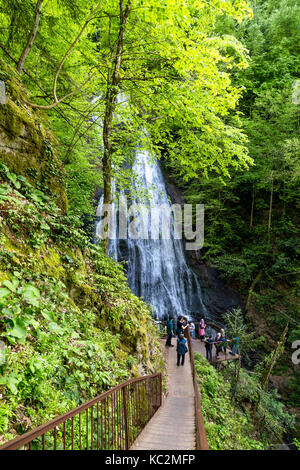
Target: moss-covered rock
x: 26, y: 145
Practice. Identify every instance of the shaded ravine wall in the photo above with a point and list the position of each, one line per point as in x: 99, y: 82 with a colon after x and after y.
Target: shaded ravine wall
x: 217, y: 297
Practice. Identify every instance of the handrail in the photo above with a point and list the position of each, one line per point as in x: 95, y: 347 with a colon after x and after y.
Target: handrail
x: 123, y: 412
x: 201, y: 440
x: 213, y: 323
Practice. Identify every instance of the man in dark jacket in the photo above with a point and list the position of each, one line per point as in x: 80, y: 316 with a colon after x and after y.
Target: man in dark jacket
x: 208, y: 346
x: 170, y: 332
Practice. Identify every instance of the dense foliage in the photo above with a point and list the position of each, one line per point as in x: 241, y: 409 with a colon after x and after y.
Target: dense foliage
x: 69, y: 327
x: 252, y: 218
x: 181, y: 84
x: 256, y: 420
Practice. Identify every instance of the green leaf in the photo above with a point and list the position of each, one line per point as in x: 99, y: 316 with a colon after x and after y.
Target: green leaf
x: 56, y: 328
x: 13, y: 178
x: 35, y: 364
x: 31, y: 294
x: 11, y: 285
x: 45, y: 226
x: 19, y: 330
x: 11, y: 381
x: 49, y: 315
x: 31, y: 321
x: 2, y: 356
x: 4, y: 292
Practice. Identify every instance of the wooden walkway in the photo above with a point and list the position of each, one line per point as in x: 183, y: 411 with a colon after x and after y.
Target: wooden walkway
x: 173, y: 425
x: 199, y: 346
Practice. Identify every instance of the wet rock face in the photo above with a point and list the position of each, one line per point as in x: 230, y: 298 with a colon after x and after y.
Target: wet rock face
x: 217, y: 297
x: 175, y: 193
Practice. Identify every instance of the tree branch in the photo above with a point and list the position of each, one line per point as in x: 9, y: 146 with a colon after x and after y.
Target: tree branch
x: 90, y: 17
x: 50, y: 106
x: 31, y: 37
x: 58, y: 110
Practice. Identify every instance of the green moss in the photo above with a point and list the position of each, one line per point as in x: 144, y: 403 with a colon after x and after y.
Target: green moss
x: 14, y: 87
x: 11, y: 244
x: 11, y: 119
x: 52, y: 263
x: 62, y: 201
x: 3, y: 276
x: 19, y: 165
x: 83, y: 295
x: 135, y: 371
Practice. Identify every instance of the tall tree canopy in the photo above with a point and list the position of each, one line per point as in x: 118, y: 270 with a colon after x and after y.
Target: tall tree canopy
x: 252, y: 220
x: 166, y: 59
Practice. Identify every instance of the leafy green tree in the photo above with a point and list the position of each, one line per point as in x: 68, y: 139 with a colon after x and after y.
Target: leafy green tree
x: 167, y: 61
x: 251, y: 217
x: 237, y: 330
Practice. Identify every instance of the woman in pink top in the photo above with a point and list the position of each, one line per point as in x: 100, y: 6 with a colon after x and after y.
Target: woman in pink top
x: 202, y: 327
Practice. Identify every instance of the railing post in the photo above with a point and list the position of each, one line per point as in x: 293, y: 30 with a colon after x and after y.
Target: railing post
x: 160, y: 389
x: 201, y: 441
x: 125, y: 405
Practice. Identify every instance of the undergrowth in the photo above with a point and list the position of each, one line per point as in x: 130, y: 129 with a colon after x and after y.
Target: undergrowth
x: 69, y: 325
x: 252, y: 419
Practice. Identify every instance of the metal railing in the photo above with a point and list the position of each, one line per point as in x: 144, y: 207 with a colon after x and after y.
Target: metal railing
x: 111, y: 421
x: 201, y: 441
x: 211, y: 323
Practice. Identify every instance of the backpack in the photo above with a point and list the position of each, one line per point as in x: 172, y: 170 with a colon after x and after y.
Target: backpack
x: 181, y: 347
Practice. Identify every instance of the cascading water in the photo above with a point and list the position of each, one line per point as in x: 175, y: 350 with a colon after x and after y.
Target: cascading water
x: 157, y: 268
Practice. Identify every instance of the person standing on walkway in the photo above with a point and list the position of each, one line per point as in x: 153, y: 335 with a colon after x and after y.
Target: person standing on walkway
x: 224, y: 340
x: 209, y: 346
x: 192, y: 329
x: 235, y: 344
x: 181, y: 349
x: 202, y: 327
x: 180, y: 326
x: 218, y: 345
x: 170, y: 332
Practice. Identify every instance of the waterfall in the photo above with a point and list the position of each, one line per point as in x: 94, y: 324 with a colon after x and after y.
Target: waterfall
x: 157, y: 269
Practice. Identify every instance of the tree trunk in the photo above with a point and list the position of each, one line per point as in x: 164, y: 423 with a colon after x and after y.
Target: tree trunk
x: 270, y: 208
x: 255, y: 281
x: 264, y: 379
x: 31, y: 37
x: 113, y: 80
x: 254, y: 12
x: 252, y: 207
